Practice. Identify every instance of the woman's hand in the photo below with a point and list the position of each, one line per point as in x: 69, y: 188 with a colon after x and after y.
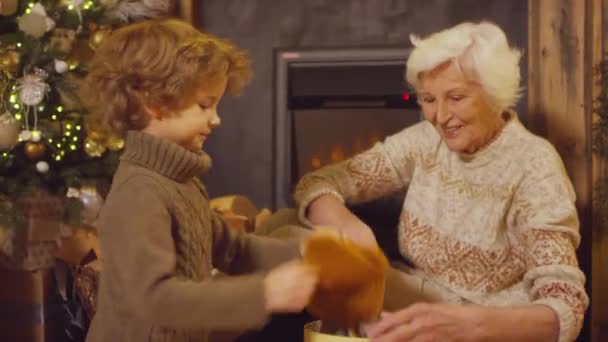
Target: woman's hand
x: 423, y: 322
x: 327, y: 212
x: 289, y: 287
x: 359, y: 233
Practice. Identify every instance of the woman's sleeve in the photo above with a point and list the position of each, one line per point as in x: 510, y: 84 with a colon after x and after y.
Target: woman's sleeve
x: 384, y: 169
x: 545, y: 213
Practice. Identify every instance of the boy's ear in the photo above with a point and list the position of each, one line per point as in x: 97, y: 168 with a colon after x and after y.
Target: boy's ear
x: 152, y: 113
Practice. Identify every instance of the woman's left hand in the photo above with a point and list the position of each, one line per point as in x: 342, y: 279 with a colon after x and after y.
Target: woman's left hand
x: 424, y: 322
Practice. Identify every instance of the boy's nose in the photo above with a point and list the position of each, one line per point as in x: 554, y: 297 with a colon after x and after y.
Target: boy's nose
x: 215, y: 120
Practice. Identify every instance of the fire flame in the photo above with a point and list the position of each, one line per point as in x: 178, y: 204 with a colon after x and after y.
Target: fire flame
x: 340, y: 152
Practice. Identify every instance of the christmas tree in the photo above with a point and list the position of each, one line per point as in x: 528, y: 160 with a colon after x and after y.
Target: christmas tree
x: 47, y: 143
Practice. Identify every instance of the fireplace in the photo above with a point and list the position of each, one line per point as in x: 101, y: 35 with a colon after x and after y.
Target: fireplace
x: 333, y: 103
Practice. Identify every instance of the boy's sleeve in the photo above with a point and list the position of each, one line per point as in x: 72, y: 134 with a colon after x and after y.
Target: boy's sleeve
x: 140, y: 256
x: 236, y: 252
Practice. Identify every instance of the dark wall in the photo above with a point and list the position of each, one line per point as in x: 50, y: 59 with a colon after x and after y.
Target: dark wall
x: 241, y: 148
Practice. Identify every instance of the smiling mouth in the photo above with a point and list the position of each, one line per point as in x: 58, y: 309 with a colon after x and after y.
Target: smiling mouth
x: 452, y: 131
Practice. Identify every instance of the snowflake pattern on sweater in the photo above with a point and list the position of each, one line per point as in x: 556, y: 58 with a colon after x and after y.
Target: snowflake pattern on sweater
x: 498, y: 227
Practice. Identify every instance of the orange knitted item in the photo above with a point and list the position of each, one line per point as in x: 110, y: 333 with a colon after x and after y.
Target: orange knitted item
x: 351, y: 280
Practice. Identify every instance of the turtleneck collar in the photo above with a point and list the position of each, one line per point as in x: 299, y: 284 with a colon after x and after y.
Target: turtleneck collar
x: 164, y: 157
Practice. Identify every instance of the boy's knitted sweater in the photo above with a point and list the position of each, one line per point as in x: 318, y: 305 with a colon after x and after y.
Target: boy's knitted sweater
x: 498, y: 227
x: 160, y: 240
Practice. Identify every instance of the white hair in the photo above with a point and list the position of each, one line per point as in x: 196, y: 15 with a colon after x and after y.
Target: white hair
x: 492, y: 61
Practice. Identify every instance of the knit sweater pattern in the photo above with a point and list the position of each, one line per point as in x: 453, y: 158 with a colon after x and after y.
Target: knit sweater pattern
x: 160, y: 240
x: 498, y: 227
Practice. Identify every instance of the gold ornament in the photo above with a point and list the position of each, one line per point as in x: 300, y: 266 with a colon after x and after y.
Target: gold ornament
x: 8, y: 7
x: 93, y: 148
x: 9, y: 59
x: 35, y: 150
x: 9, y: 131
x: 114, y: 143
x: 95, y: 135
x: 97, y: 38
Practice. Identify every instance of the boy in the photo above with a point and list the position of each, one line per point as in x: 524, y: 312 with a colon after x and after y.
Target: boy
x: 159, y: 83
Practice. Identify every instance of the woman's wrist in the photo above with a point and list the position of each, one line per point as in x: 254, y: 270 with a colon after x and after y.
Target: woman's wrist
x: 485, y: 321
x: 522, y: 323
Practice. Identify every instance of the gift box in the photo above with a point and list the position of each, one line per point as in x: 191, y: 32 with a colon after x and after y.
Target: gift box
x: 32, y: 245
x: 313, y: 332
x: 30, y: 308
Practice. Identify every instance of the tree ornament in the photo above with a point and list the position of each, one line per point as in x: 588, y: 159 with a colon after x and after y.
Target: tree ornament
x: 93, y: 148
x: 92, y: 202
x: 132, y: 10
x: 25, y: 135
x: 9, y: 58
x: 115, y: 143
x: 34, y: 150
x: 97, y: 38
x: 9, y: 131
x: 36, y: 23
x: 36, y: 136
x: 8, y: 7
x: 60, y: 66
x: 94, y: 133
x: 32, y: 90
x: 42, y: 167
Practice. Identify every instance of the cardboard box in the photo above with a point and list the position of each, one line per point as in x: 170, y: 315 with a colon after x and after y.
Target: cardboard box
x: 30, y: 308
x: 32, y: 246
x: 312, y: 333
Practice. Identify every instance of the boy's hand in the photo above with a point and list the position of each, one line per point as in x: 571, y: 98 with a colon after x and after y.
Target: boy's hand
x: 289, y: 287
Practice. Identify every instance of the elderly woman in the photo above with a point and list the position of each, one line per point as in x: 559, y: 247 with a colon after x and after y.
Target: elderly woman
x: 489, y: 215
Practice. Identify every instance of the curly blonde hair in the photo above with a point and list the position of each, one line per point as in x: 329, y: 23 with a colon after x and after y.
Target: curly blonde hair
x: 157, y: 64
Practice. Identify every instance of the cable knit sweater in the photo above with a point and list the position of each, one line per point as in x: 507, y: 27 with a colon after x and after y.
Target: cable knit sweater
x: 498, y: 227
x: 160, y: 240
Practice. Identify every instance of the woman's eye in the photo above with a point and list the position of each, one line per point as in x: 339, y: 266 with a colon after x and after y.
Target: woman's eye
x: 203, y: 105
x: 456, y: 97
x: 428, y: 100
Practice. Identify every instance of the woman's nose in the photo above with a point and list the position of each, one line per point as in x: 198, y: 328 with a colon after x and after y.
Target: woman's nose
x: 442, y: 114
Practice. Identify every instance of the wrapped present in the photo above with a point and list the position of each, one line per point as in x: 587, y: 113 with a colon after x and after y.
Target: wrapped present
x: 44, y: 216
x: 314, y: 332
x: 239, y: 212
x: 75, y: 246
x: 30, y: 307
x: 31, y: 246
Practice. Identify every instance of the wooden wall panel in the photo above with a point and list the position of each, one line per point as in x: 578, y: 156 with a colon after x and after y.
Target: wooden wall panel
x: 599, y: 281
x: 566, y: 39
